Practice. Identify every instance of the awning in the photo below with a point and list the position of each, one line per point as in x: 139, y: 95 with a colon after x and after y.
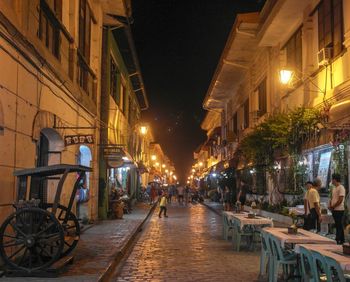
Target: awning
x: 339, y: 115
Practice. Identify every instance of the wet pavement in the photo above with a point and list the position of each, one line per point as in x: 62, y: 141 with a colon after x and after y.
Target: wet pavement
x: 187, y: 246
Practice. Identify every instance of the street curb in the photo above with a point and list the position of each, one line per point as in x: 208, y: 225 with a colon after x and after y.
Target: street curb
x: 212, y: 209
x: 118, y: 256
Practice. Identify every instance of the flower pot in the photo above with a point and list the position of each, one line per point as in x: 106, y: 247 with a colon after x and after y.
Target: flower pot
x: 292, y: 229
x: 346, y: 248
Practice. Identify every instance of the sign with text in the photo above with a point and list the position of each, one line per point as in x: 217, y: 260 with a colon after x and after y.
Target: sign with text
x: 323, y: 167
x: 78, y: 139
x: 113, y: 151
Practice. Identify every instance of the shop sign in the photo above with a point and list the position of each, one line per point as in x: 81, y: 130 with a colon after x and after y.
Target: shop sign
x: 113, y: 151
x: 115, y: 163
x: 78, y: 139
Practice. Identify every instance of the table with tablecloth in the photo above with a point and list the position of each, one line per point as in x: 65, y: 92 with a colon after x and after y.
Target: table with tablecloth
x: 302, y: 237
x: 329, y: 250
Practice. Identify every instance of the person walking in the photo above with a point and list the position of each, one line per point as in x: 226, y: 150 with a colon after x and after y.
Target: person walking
x: 153, y: 193
x: 336, y: 205
x: 162, y: 205
x: 180, y: 194
x: 312, y: 208
x: 226, y: 199
x: 171, y: 192
x: 242, y: 194
x: 187, y: 194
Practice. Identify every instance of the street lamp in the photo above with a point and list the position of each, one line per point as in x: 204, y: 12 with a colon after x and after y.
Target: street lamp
x: 143, y: 129
x: 153, y: 157
x: 286, y: 76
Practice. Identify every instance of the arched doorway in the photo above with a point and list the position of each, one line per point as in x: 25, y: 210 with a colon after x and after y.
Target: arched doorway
x: 84, y: 158
x: 49, y: 149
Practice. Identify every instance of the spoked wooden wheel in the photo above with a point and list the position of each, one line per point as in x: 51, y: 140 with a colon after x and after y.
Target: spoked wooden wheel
x: 31, y: 239
x: 70, y: 226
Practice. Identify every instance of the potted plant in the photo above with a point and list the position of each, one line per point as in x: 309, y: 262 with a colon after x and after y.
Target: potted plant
x: 293, y: 229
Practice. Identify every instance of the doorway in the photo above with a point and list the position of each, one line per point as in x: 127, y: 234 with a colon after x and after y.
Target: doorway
x: 84, y: 158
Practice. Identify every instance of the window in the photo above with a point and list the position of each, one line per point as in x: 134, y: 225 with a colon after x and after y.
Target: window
x: 330, y: 25
x: 246, y: 113
x: 122, y: 103
x: 235, y: 123
x: 294, y: 52
x: 114, y: 79
x: 86, y: 75
x: 49, y: 26
x: 262, y: 99
x: 84, y: 30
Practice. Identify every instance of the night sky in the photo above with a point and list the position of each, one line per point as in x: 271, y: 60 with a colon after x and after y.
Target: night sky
x: 179, y: 43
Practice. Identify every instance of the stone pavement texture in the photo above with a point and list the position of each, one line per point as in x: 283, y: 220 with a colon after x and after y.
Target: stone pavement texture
x: 98, y: 246
x: 187, y: 246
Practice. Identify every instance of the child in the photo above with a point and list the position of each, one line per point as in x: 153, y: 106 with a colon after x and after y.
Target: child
x: 162, y: 205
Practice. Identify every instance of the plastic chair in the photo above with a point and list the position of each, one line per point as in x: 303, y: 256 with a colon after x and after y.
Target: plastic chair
x: 307, y: 270
x: 266, y: 262
x: 238, y: 234
x: 283, y: 258
x: 335, y: 272
x: 320, y: 268
x: 227, y: 227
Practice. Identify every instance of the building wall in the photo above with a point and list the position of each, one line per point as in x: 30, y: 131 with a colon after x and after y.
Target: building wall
x: 37, y: 92
x: 318, y: 84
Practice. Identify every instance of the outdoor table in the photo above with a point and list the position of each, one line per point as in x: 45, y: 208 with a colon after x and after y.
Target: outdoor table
x: 302, y: 237
x: 329, y: 250
x: 242, y: 220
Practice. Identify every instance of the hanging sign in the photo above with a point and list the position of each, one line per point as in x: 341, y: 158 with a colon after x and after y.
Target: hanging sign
x: 78, y: 139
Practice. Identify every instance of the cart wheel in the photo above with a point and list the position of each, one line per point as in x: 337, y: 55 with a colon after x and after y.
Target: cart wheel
x: 71, y: 227
x: 31, y: 239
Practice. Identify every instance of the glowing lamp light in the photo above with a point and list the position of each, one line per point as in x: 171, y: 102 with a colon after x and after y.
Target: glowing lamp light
x: 200, y: 164
x: 171, y: 173
x: 174, y: 176
x: 166, y: 171
x: 193, y: 170
x: 188, y: 182
x: 153, y: 157
x: 143, y: 130
x: 213, y: 174
x: 286, y: 76
x: 163, y: 165
x: 156, y: 164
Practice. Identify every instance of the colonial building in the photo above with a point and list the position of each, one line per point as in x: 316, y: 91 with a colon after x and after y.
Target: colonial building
x: 123, y: 98
x: 307, y: 43
x: 70, y: 92
x: 50, y: 61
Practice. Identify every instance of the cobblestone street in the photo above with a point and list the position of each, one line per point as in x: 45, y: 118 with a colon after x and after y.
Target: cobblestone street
x: 187, y: 246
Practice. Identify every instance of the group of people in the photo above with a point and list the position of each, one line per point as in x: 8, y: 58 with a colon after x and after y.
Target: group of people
x: 312, y: 207
x: 184, y: 194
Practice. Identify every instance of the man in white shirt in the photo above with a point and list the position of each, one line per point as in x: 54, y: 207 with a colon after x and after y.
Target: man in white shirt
x: 336, y: 205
